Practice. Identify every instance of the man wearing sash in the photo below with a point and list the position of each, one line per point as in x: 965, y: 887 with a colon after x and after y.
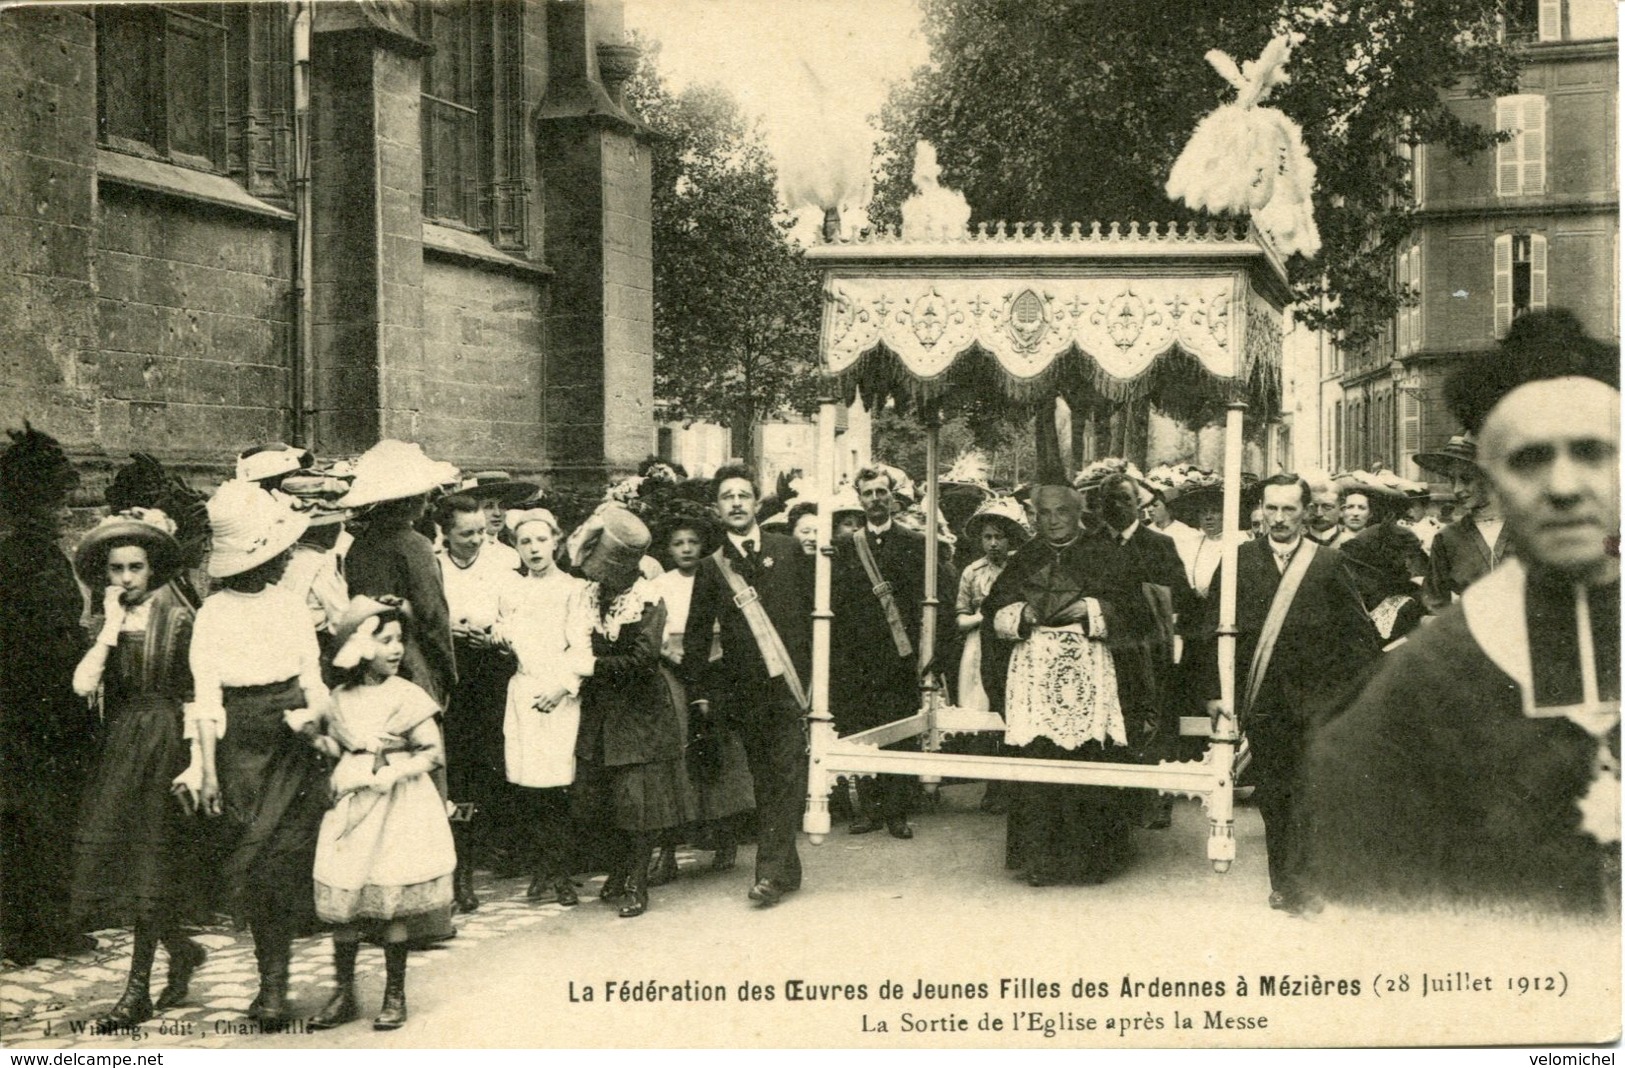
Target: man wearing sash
x: 877, y: 584
x: 1482, y: 763
x: 756, y: 594
x: 1302, y: 638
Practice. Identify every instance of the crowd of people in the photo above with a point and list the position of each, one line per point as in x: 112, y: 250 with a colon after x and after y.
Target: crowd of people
x: 321, y: 696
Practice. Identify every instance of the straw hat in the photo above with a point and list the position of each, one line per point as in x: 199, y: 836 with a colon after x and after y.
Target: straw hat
x: 1461, y: 451
x: 353, y: 632
x: 845, y: 501
x: 1005, y: 511
x: 146, y: 527
x: 260, y: 462
x: 316, y: 496
x: 498, y: 486
x: 1391, y: 487
x: 250, y: 527
x: 393, y: 469
x: 615, y: 540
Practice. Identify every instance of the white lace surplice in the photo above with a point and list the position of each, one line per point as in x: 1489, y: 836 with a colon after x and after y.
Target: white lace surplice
x: 1063, y: 687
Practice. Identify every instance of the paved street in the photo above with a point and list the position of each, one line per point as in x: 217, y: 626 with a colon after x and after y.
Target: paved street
x: 939, y: 909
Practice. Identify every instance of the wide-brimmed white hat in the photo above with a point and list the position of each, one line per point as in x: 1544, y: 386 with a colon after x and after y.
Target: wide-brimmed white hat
x: 260, y: 462
x: 393, y: 469
x: 1005, y: 511
x: 249, y: 527
x: 315, y: 497
x: 149, y: 528
x: 846, y: 500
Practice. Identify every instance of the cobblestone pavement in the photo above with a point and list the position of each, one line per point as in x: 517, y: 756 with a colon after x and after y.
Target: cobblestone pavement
x: 54, y: 1003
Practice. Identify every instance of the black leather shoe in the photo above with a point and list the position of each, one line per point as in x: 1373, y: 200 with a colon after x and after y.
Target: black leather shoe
x: 868, y: 826
x: 767, y: 893
x: 614, y: 888
x: 462, y: 882
x: 725, y: 857
x: 340, y: 1009
x: 664, y: 868
x: 899, y: 828
x: 1289, y: 903
x: 133, y: 1008
x: 393, y: 1012
x: 181, y: 967
x: 565, y: 891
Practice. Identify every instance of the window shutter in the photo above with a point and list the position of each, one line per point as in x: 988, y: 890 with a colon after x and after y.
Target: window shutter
x: 1508, y: 171
x: 1532, y: 143
x: 1551, y: 20
x: 1537, y: 272
x: 1415, y: 312
x: 1503, y: 284
x: 1404, y: 315
x: 1410, y: 431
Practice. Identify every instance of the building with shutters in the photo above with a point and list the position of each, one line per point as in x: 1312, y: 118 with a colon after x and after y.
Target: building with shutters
x: 326, y: 222
x: 1530, y: 224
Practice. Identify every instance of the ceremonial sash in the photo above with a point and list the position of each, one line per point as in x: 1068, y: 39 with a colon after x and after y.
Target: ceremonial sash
x: 883, y: 592
x: 774, y: 655
x: 1291, y: 580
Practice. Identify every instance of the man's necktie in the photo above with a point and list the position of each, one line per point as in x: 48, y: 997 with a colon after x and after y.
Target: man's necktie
x: 750, y: 549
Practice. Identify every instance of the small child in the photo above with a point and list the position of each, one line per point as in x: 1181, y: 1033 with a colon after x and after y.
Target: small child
x: 384, y: 859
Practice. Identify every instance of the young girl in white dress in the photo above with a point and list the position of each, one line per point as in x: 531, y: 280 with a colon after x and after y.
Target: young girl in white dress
x: 384, y: 859
x: 546, y: 618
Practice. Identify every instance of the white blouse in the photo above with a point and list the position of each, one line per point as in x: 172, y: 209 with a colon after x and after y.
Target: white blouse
x: 677, y: 590
x: 474, y: 593
x: 251, y: 639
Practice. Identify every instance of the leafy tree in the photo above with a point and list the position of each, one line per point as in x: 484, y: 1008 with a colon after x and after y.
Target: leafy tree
x: 1076, y: 110
x: 737, y: 307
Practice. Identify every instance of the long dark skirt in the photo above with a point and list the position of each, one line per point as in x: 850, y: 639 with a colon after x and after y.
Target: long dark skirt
x: 641, y: 798
x: 274, y: 786
x: 476, y: 760
x: 1071, y: 833
x: 136, y: 852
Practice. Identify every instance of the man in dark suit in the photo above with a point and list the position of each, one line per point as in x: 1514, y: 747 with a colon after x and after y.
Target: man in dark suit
x: 1153, y: 559
x: 1468, y: 549
x: 1292, y: 669
x: 876, y: 649
x: 762, y: 696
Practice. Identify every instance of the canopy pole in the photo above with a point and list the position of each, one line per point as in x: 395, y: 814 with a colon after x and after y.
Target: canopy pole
x: 820, y: 725
x: 928, y: 606
x: 1221, y: 843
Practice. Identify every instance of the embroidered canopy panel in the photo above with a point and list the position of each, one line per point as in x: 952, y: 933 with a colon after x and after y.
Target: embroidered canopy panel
x: 1191, y: 319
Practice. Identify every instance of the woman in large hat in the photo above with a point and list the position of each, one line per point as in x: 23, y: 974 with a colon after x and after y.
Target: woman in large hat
x: 496, y: 492
x: 313, y: 572
x: 393, y: 480
x: 997, y: 529
x: 631, y: 784
x: 1468, y: 548
x: 546, y: 619
x: 257, y: 681
x: 47, y: 736
x: 134, y: 851
x: 1386, y: 558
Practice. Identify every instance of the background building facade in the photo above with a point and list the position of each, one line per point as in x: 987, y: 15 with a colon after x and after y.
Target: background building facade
x: 326, y: 223
x: 1531, y: 224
